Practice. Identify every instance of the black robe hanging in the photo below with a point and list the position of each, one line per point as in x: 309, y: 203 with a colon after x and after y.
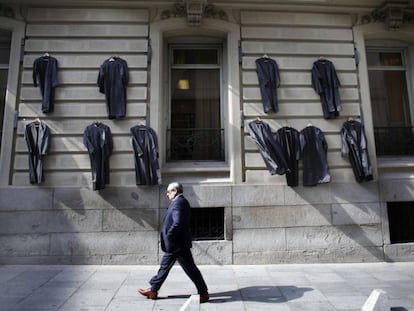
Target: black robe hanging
x: 269, y: 80
x: 97, y: 138
x: 37, y: 138
x: 314, y: 150
x: 113, y: 79
x: 45, y: 75
x: 288, y: 138
x: 354, y: 146
x: 326, y: 83
x: 271, y: 151
x: 145, y: 145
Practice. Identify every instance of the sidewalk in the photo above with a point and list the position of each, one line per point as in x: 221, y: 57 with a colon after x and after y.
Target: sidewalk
x: 266, y: 287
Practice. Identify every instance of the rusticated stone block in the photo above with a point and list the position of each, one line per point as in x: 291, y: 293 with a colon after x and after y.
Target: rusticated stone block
x: 104, y: 243
x: 254, y: 240
x: 25, y: 199
x: 258, y: 195
x: 108, y: 198
x: 140, y: 219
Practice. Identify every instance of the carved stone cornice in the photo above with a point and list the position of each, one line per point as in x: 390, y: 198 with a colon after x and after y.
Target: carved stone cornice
x: 194, y: 11
x: 392, y: 13
x: 7, y: 11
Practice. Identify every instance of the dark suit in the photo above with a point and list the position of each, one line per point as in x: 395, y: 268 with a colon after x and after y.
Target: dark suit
x: 176, y: 243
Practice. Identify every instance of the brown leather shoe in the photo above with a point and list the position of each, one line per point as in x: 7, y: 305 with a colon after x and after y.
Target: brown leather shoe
x: 148, y: 293
x: 204, y: 298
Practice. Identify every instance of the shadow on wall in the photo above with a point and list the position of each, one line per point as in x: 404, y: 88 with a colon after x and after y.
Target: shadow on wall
x: 110, y: 226
x: 355, y: 216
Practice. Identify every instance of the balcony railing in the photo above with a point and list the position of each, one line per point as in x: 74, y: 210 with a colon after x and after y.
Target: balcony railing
x: 195, y: 144
x: 395, y: 141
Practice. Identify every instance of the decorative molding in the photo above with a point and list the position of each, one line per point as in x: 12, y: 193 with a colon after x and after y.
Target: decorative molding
x: 392, y: 13
x: 194, y: 10
x: 7, y: 11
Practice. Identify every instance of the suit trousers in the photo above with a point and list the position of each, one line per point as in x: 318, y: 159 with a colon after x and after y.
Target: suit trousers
x: 186, y: 261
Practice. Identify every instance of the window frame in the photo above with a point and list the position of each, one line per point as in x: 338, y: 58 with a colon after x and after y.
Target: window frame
x: 190, y: 42
x: 404, y: 68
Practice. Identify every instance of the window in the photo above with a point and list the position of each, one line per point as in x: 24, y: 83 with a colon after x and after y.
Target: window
x: 195, y: 130
x: 401, y: 221
x: 207, y: 223
x: 5, y: 39
x: 390, y: 103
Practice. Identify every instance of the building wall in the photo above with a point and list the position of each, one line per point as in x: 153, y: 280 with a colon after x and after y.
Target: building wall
x: 65, y: 221
x: 81, y: 40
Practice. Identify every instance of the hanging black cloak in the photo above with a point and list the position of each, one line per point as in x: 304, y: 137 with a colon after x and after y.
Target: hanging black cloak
x: 354, y: 146
x: 145, y: 145
x: 273, y: 154
x: 269, y: 80
x: 326, y: 83
x: 314, y: 150
x: 97, y: 138
x: 112, y: 81
x: 288, y: 138
x: 37, y: 138
x: 45, y: 74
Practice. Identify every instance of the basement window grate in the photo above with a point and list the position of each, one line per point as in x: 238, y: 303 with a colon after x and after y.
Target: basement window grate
x: 401, y: 221
x: 207, y: 223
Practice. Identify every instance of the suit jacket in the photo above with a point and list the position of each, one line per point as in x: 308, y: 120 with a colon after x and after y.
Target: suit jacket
x: 113, y: 79
x: 145, y: 145
x: 272, y: 152
x: 45, y: 74
x: 326, y: 83
x: 269, y: 80
x: 175, y: 231
x: 354, y: 146
x: 37, y: 138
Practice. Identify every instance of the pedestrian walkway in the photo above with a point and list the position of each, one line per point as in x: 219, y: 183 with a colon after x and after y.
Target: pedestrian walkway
x: 263, y: 287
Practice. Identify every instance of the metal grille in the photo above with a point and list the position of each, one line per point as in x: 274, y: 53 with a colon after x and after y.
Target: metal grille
x: 401, y: 221
x: 207, y: 223
x: 195, y: 144
x: 394, y: 140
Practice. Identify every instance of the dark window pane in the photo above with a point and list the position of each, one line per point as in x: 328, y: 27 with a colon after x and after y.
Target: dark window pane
x: 195, y: 56
x: 391, y: 59
x: 401, y: 221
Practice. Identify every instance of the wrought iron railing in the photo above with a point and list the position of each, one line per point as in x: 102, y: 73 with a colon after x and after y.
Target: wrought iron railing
x: 195, y: 144
x: 394, y: 140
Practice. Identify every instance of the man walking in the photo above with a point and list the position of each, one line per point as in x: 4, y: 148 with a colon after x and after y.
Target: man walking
x: 176, y: 243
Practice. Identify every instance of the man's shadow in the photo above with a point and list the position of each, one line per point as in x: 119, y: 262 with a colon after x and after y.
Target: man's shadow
x: 267, y: 294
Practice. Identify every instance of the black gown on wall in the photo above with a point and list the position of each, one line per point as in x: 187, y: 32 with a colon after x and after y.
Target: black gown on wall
x: 271, y: 151
x: 145, y: 145
x: 354, y: 146
x: 37, y: 138
x: 288, y: 138
x: 97, y: 138
x: 45, y: 75
x: 269, y: 80
x: 314, y: 149
x: 113, y: 79
x: 326, y: 83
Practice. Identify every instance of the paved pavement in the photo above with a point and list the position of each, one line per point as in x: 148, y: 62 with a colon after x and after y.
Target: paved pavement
x: 264, y: 287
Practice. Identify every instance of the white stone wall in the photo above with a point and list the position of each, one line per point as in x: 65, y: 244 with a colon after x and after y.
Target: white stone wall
x: 81, y: 39
x: 295, y: 41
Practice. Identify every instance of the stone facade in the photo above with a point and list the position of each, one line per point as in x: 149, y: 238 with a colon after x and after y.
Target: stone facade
x: 63, y: 221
